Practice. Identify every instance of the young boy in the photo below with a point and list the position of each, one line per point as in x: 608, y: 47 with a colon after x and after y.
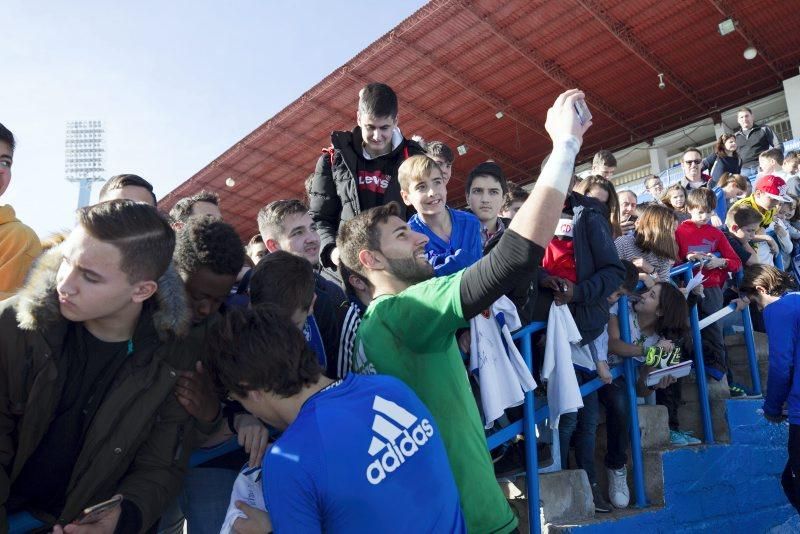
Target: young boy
x: 443, y: 156
x: 486, y: 186
x: 19, y: 245
x: 286, y: 281
x: 698, y: 241
x: 357, y: 454
x: 791, y: 162
x: 513, y: 200
x: 771, y: 162
x: 454, y: 237
x: 743, y: 224
x: 769, y: 193
x: 91, y: 350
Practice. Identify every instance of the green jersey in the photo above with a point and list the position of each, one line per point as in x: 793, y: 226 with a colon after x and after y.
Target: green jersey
x: 411, y: 336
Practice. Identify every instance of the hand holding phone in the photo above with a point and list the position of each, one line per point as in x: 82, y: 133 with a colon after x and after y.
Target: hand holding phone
x: 584, y: 115
x: 95, y: 513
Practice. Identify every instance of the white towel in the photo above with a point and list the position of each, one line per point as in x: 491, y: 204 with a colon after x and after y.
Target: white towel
x: 502, y: 374
x: 563, y: 391
x: 246, y: 488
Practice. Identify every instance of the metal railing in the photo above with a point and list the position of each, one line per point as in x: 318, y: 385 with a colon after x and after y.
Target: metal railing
x: 23, y: 522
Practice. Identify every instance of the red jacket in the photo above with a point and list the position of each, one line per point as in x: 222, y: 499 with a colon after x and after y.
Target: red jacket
x: 705, y: 239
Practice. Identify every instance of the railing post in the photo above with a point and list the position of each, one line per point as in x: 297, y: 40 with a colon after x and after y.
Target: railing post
x: 700, y: 369
x: 531, y: 455
x: 630, y: 386
x: 750, y: 343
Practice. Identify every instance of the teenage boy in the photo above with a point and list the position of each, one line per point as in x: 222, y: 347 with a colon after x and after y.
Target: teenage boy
x: 19, y: 244
x: 443, y: 156
x: 208, y: 256
x: 359, y: 170
x: 486, y: 188
x: 203, y: 203
x: 454, y: 237
x: 581, y: 268
x: 128, y: 187
x: 693, y: 175
x: 409, y: 329
x: 771, y: 162
x: 91, y: 348
x: 753, y: 139
x: 768, y: 193
x: 627, y: 210
x: 286, y: 281
x: 603, y: 164
x: 513, y: 201
x: 791, y: 162
x: 256, y: 249
x: 355, y: 454
x: 698, y: 241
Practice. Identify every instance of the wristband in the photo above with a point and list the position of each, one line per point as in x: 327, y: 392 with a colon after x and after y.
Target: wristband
x: 557, y: 172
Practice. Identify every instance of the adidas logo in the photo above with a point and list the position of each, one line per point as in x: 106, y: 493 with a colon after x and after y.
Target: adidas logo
x: 400, y: 438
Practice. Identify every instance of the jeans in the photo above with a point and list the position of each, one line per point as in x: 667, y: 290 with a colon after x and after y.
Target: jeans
x: 203, y: 501
x: 671, y: 398
x: 713, y: 341
x: 581, y: 426
x: 791, y: 475
x: 615, y: 400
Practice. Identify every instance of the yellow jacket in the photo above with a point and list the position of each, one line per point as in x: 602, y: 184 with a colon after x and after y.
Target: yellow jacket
x: 19, y: 247
x: 767, y: 216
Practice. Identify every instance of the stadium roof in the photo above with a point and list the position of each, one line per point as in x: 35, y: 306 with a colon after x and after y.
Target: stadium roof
x: 456, y: 64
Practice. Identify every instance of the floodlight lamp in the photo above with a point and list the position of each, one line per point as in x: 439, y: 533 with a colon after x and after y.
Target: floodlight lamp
x: 461, y: 149
x: 750, y: 53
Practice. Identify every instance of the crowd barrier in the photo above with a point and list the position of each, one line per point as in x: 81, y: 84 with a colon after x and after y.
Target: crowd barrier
x: 24, y: 522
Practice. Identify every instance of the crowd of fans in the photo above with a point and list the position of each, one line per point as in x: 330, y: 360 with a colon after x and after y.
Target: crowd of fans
x: 358, y: 346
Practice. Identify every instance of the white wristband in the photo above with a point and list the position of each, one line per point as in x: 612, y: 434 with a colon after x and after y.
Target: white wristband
x: 557, y: 172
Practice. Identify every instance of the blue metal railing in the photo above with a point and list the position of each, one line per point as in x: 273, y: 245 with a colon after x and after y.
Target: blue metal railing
x: 23, y: 522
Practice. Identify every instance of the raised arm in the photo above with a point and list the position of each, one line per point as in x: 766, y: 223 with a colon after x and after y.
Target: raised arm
x: 521, y: 248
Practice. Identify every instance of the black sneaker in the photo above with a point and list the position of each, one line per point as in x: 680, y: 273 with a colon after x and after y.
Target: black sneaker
x: 512, y: 463
x: 601, y: 505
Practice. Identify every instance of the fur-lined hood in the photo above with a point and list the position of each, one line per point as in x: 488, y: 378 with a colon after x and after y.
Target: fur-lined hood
x: 37, y: 302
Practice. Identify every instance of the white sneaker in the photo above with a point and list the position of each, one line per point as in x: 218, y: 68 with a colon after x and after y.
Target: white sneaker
x: 618, y: 492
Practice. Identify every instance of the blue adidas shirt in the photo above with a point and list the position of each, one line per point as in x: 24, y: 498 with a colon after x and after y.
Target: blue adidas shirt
x: 362, y: 456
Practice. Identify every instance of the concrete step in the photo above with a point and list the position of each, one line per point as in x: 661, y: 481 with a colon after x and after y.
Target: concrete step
x: 689, y: 413
x: 611, y: 519
x: 565, y: 496
x: 738, y: 362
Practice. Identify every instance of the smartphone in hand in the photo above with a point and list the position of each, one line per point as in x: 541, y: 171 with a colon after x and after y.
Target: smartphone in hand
x: 94, y: 513
x: 584, y: 115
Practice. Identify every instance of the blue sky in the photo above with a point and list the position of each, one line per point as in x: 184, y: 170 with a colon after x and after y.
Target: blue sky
x: 175, y: 83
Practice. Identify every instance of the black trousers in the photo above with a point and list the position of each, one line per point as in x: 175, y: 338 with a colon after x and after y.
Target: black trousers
x: 791, y: 474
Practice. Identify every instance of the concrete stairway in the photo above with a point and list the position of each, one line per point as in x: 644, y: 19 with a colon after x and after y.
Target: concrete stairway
x: 732, y: 486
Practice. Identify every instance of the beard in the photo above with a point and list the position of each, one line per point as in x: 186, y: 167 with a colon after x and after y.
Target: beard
x: 409, y: 270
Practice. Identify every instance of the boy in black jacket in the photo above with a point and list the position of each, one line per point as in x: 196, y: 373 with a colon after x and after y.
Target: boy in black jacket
x: 359, y: 170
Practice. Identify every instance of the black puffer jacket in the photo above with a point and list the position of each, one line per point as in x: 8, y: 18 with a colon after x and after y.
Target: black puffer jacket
x: 334, y: 188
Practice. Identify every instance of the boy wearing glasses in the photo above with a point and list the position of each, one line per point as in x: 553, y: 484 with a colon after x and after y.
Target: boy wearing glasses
x: 693, y: 176
x: 19, y: 245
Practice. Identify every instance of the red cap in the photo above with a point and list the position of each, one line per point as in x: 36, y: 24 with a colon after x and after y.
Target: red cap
x: 773, y: 186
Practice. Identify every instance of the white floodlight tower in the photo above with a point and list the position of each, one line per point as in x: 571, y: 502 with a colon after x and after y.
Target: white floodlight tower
x: 84, y: 153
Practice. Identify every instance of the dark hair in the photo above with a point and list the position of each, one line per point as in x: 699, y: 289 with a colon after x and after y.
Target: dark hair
x: 515, y: 193
x: 271, y: 216
x: 208, y: 242
x: 377, y: 100
x: 775, y: 281
x: 362, y: 233
x: 612, y: 203
x: 719, y: 148
x: 487, y: 168
x: 7, y: 137
x: 345, y: 272
x: 284, y: 280
x: 691, y: 149
x: 182, y: 209
x: 773, y: 153
x: 738, y: 179
x: 742, y: 215
x: 631, y: 279
x: 437, y: 149
x: 260, y: 349
x: 142, y: 235
x: 127, y: 180
x: 674, y: 320
x: 701, y: 198
x: 605, y: 158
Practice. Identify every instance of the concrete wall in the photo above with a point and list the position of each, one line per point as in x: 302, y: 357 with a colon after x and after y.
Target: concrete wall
x: 730, y: 488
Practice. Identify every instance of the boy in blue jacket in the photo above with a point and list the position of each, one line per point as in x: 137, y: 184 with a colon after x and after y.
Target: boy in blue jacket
x: 770, y: 288
x: 454, y: 236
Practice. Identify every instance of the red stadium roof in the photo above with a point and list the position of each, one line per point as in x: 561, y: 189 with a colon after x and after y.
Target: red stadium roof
x: 455, y: 64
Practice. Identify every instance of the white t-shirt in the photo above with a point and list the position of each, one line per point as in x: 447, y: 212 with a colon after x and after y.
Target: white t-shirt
x: 637, y: 337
